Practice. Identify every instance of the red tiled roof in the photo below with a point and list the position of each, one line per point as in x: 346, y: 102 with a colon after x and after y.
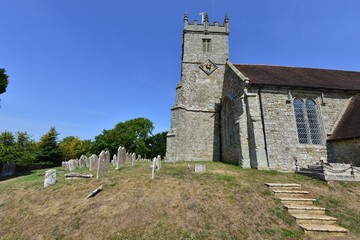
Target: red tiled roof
x: 300, y: 77
x: 349, y: 124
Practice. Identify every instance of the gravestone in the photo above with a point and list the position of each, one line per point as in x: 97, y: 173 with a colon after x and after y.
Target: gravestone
x: 82, y: 163
x: 8, y: 169
x: 64, y: 164
x: 199, y: 168
x: 72, y: 164
x: 153, y: 168
x: 50, y: 177
x: 133, y: 158
x: 123, y: 155
x: 107, y: 159
x: 93, y: 162
x: 87, y: 162
x: 120, y: 161
x: 103, y: 164
x: 158, y: 162
x: 113, y: 161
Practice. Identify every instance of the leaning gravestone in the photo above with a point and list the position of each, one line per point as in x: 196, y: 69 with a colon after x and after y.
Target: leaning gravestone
x: 50, y: 177
x: 8, y: 169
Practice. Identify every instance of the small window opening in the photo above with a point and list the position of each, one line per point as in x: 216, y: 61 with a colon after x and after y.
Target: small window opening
x: 206, y: 45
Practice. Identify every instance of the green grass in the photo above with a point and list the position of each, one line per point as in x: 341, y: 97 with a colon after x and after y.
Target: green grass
x: 225, y: 202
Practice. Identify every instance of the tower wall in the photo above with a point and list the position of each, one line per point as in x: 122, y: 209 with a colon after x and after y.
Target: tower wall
x: 194, y: 133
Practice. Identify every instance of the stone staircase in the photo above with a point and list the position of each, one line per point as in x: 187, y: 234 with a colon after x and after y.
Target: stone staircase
x: 311, y: 219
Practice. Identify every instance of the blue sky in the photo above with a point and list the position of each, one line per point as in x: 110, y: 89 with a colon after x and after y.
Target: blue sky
x: 85, y: 65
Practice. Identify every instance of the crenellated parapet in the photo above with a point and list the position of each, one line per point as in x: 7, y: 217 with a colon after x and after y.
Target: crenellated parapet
x: 206, y: 27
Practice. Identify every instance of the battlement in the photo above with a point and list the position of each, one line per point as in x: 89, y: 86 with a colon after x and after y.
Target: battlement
x: 205, y: 27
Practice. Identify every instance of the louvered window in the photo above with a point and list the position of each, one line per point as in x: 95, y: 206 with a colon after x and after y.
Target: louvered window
x: 307, y: 121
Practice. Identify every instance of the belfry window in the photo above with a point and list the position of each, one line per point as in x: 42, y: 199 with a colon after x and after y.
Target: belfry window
x: 206, y: 45
x: 307, y: 121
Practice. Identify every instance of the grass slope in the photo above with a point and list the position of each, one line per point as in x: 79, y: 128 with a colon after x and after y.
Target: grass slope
x: 226, y: 202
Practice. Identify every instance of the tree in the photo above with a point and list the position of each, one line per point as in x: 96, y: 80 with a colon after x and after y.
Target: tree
x: 7, y: 147
x: 3, y: 80
x: 157, y: 144
x: 25, y: 149
x: 72, y: 147
x: 49, y: 151
x: 131, y: 134
x: 18, y: 148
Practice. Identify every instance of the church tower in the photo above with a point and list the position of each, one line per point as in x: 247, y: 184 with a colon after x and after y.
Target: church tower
x: 194, y: 133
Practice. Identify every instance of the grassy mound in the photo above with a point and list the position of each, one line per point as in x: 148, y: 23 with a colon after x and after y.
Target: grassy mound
x: 226, y: 202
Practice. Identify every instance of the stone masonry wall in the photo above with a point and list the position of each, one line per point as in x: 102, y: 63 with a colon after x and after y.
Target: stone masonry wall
x: 283, y: 147
x: 234, y: 149
x: 194, y: 132
x: 192, y: 140
x: 345, y: 151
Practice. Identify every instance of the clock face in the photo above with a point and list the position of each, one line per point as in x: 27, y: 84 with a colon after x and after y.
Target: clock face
x: 208, y: 67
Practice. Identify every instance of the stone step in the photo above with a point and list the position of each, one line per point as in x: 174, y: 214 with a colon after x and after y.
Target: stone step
x: 324, y: 231
x: 314, y: 219
x: 289, y: 193
x: 297, y: 201
x: 303, y: 209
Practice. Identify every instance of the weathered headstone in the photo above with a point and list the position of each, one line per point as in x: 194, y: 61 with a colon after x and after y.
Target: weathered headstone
x: 93, y: 162
x: 82, y: 162
x: 158, y: 162
x: 153, y: 168
x: 200, y: 168
x: 64, y: 164
x: 8, y: 169
x: 123, y: 155
x: 72, y: 164
x: 107, y: 159
x: 50, y: 177
x: 87, y: 162
x: 120, y: 161
x: 103, y: 164
x: 133, y: 158
x: 113, y: 161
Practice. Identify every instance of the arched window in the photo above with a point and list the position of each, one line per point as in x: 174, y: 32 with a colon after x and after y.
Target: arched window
x: 307, y: 121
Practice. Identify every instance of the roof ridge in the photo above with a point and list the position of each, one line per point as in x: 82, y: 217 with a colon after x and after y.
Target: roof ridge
x: 298, y: 67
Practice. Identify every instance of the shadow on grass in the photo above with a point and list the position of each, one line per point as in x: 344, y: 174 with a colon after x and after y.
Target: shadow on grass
x: 16, y: 175
x: 24, y: 171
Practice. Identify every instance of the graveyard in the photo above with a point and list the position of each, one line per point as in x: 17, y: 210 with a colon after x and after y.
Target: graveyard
x: 140, y: 200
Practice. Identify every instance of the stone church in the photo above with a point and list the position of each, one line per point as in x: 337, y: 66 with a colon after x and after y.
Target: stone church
x: 259, y: 116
